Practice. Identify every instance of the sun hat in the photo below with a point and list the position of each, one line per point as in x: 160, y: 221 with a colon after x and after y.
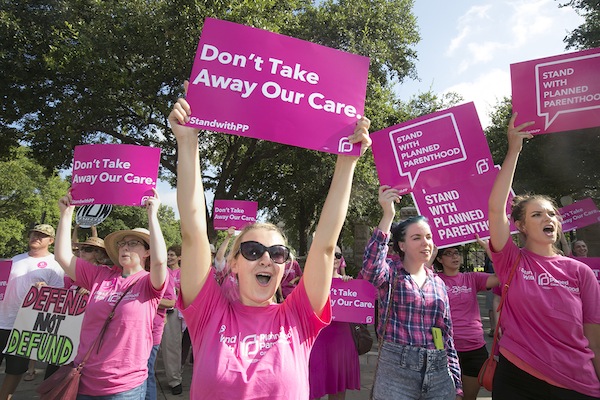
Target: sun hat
x: 91, y: 241
x: 45, y: 229
x: 112, y: 239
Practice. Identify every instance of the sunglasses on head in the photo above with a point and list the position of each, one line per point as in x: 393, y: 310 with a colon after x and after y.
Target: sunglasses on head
x: 252, y: 251
x: 87, y: 249
x: 338, y: 255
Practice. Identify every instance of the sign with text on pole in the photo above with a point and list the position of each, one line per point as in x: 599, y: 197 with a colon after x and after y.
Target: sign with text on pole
x: 236, y: 213
x: 352, y: 301
x: 48, y: 325
x: 5, y: 267
x: 120, y: 174
x: 579, y: 214
x: 250, y: 82
x: 459, y: 210
x: 559, y: 93
x: 432, y: 150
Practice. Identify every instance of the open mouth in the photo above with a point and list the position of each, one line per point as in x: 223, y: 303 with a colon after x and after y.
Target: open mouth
x: 263, y: 279
x: 549, y: 230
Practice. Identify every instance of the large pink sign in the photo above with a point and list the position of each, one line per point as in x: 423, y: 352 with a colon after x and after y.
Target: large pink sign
x: 433, y: 150
x: 250, y: 82
x: 5, y: 267
x: 236, y: 213
x: 593, y: 263
x: 579, y: 214
x: 458, y: 211
x: 121, y: 174
x: 560, y: 93
x: 353, y: 301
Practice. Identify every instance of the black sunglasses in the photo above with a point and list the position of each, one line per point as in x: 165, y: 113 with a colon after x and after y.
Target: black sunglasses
x: 252, y: 251
x: 87, y: 249
x: 338, y: 255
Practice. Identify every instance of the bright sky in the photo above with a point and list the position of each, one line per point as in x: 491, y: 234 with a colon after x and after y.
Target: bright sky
x: 467, y: 47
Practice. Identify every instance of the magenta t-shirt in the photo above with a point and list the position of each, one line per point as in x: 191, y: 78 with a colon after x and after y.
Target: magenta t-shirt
x: 464, y: 308
x: 121, y: 363
x: 549, y: 300
x: 251, y: 352
x: 158, y: 326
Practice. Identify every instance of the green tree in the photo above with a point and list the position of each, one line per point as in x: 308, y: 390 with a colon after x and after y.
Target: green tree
x: 587, y: 35
x: 28, y: 195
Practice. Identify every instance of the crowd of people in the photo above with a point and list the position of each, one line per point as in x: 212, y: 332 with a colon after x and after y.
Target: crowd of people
x: 260, y: 327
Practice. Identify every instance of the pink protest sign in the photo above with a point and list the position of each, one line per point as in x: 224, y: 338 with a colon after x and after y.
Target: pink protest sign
x: 250, y: 82
x: 560, y: 93
x: 236, y: 213
x: 458, y: 211
x: 579, y: 214
x: 353, y: 301
x: 593, y: 263
x: 434, y: 149
x: 5, y: 267
x: 121, y: 174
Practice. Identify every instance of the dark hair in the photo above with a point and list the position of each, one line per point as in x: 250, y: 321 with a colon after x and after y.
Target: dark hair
x: 175, y: 249
x: 399, y: 231
x: 437, y: 264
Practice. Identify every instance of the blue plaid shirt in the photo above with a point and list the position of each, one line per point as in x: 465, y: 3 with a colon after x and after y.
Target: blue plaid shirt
x: 414, y: 311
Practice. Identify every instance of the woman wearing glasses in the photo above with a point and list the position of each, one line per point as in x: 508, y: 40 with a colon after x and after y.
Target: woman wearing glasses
x: 462, y: 291
x: 417, y: 357
x: 117, y: 366
x: 253, y: 349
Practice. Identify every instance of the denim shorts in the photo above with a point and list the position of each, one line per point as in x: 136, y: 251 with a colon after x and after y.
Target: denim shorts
x: 412, y: 373
x: 137, y: 393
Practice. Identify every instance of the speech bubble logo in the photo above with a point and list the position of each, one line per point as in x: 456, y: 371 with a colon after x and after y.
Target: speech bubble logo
x: 428, y: 144
x: 568, y: 85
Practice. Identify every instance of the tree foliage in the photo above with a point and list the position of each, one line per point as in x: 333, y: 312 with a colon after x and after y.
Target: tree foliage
x: 587, y: 35
x: 28, y: 196
x: 85, y: 71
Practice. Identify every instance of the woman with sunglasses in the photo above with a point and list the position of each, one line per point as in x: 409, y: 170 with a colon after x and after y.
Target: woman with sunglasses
x: 462, y: 291
x: 417, y: 355
x: 117, y: 367
x: 253, y: 349
x: 334, y: 366
x: 551, y: 318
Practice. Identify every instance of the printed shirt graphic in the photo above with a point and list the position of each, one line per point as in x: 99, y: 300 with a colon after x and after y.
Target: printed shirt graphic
x: 251, y: 352
x: 129, y: 333
x: 464, y: 309
x: 549, y: 300
x: 25, y: 272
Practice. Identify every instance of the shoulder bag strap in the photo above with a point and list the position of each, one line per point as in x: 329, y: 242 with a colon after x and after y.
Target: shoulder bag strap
x: 502, y: 299
x: 103, y: 330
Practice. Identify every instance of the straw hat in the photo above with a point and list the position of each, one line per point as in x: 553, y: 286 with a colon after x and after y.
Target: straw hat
x: 92, y: 241
x: 111, y: 241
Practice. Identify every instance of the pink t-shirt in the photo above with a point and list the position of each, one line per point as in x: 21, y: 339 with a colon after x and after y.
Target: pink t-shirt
x: 121, y: 362
x: 251, y: 352
x: 158, y: 326
x: 464, y: 308
x: 292, y: 271
x: 549, y: 300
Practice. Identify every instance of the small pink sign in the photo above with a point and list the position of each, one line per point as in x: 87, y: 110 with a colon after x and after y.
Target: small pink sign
x: 434, y: 149
x: 236, y: 213
x: 250, y: 82
x: 121, y: 174
x: 353, y: 301
x: 5, y: 267
x: 593, y: 263
x: 579, y: 214
x: 560, y: 93
x: 458, y: 211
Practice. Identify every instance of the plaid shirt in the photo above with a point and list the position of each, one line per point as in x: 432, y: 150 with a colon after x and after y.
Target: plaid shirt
x: 414, y: 311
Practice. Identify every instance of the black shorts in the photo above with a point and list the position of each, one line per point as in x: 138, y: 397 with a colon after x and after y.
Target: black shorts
x: 471, y: 361
x: 15, y: 365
